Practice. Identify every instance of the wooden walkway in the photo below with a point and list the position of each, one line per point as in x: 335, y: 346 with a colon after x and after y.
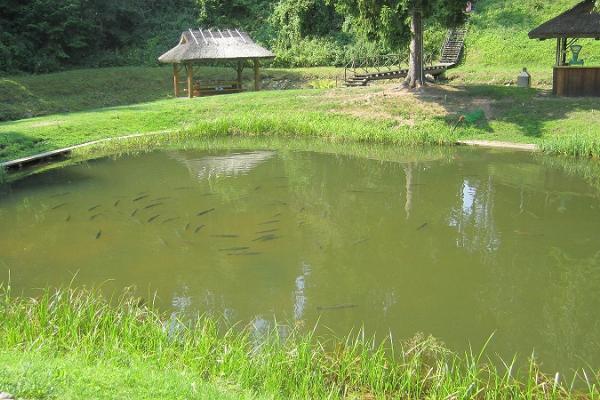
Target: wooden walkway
x: 361, y: 71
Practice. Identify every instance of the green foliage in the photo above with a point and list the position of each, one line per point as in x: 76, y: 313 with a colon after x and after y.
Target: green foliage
x: 47, y: 35
x: 387, y: 21
x: 250, y: 15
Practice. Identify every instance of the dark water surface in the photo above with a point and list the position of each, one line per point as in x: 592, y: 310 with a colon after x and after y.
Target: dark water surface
x: 456, y: 243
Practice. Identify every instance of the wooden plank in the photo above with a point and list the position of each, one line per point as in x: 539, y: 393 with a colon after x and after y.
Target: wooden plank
x: 60, y: 153
x: 190, y: 80
x: 576, y: 81
x: 240, y: 70
x: 176, y: 80
x: 256, y: 75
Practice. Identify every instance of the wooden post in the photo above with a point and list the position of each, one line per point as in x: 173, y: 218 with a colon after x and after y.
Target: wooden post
x: 256, y: 75
x: 240, y: 69
x: 558, y: 52
x: 176, y: 80
x: 190, y: 80
x: 564, y: 52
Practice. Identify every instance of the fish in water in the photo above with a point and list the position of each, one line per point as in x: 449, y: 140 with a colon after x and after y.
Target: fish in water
x: 134, y: 212
x: 267, y: 231
x: 276, y: 215
x: 337, y: 307
x: 68, y: 218
x: 227, y: 236
x: 273, y: 221
x: 245, y: 253
x: 234, y: 249
x: 198, y: 228
x: 56, y: 207
x: 205, y: 212
x: 162, y: 198
x: 93, y: 217
x: 523, y: 233
x: 98, y: 235
x: 60, y: 194
x: 257, y: 188
x: 422, y: 226
x: 94, y: 207
x: 116, y: 203
x: 266, y: 238
x: 187, y: 226
x: 141, y: 197
x: 170, y: 220
x: 153, y: 205
x: 152, y: 218
x: 359, y: 241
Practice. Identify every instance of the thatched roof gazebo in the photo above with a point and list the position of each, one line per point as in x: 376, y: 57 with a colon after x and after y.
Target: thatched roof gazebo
x: 580, y: 22
x: 214, y: 45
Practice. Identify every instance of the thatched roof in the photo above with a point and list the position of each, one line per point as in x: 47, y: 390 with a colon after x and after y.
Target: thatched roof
x: 214, y: 44
x: 580, y: 21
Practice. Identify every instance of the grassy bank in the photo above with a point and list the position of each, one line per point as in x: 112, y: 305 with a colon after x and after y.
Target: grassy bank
x: 26, y: 96
x: 375, y: 114
x: 68, y: 343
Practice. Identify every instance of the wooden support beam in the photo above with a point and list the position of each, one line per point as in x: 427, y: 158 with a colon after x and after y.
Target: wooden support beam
x: 176, y: 80
x: 240, y: 69
x: 190, y: 80
x: 564, y: 52
x: 256, y: 75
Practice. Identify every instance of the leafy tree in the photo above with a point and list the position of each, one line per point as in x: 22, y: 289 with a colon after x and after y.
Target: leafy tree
x: 297, y: 19
x: 395, y: 20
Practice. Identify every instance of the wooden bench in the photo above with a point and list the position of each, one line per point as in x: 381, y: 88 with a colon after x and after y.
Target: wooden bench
x: 216, y: 87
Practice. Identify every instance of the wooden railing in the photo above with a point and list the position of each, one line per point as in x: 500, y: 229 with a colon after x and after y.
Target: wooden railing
x: 381, y: 63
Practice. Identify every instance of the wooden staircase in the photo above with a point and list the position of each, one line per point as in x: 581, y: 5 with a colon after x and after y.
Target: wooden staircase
x: 359, y: 72
x: 453, y: 46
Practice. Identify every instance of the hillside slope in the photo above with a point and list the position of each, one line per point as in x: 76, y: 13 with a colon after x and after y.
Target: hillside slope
x: 498, y: 34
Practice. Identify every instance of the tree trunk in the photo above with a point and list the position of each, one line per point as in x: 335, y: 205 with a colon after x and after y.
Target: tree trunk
x: 416, y: 75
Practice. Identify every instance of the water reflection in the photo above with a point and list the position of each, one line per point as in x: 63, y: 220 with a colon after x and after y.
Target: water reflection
x: 235, y: 164
x: 300, y: 298
x: 474, y: 218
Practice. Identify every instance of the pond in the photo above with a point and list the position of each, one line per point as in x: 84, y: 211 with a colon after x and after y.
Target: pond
x: 458, y: 243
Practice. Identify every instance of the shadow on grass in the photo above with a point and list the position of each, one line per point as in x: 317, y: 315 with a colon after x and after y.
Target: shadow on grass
x: 14, y: 145
x: 26, y: 96
x: 529, y: 110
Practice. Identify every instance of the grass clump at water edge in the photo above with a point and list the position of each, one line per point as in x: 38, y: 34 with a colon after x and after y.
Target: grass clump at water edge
x: 79, y: 330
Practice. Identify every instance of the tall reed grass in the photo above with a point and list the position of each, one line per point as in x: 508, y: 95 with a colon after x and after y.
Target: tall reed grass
x: 301, y: 365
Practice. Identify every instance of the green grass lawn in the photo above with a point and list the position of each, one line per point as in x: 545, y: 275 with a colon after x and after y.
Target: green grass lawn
x: 374, y: 114
x: 50, y: 375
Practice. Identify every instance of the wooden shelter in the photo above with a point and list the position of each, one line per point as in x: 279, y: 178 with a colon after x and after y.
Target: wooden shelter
x: 211, y: 46
x: 571, y: 78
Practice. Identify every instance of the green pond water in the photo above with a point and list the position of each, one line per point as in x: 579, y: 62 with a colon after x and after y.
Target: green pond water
x: 457, y: 243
